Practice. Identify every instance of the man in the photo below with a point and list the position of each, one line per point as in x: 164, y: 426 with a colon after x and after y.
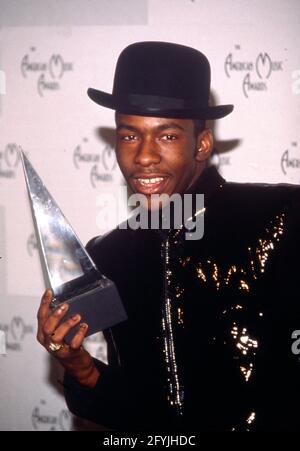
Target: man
x: 207, y: 343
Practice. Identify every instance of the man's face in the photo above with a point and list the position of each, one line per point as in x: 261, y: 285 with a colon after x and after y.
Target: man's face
x: 158, y: 155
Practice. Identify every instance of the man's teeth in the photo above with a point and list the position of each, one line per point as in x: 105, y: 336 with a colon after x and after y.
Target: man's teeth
x: 150, y: 181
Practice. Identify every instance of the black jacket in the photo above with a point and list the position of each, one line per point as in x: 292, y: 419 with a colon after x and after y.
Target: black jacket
x: 207, y: 345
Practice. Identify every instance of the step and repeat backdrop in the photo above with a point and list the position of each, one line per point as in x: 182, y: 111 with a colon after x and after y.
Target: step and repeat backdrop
x: 50, y: 53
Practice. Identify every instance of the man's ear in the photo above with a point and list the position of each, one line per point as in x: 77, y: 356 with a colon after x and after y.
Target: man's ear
x: 205, y: 142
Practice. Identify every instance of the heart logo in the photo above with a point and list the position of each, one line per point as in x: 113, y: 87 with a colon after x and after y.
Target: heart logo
x: 109, y: 160
x: 31, y: 244
x: 11, y: 155
x: 56, y: 66
x: 17, y: 328
x: 263, y: 65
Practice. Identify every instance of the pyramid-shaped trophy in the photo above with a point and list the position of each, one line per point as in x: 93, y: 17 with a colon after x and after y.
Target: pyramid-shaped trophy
x: 68, y: 269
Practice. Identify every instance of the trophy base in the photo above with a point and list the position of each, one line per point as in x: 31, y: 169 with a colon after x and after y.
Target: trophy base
x: 100, y: 308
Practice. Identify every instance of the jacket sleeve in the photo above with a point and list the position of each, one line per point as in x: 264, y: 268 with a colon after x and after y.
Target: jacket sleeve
x: 109, y: 403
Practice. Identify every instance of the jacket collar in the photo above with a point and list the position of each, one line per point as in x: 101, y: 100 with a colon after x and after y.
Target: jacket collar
x: 208, y: 182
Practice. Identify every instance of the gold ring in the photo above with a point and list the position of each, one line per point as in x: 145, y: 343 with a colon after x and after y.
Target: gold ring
x: 54, y: 347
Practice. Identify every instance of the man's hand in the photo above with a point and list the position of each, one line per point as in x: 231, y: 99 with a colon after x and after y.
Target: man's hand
x: 75, y: 359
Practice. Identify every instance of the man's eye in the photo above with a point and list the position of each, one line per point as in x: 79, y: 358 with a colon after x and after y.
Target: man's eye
x: 169, y: 137
x: 129, y: 138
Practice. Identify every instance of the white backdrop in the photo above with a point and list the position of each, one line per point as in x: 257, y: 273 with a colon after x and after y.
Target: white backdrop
x: 50, y: 53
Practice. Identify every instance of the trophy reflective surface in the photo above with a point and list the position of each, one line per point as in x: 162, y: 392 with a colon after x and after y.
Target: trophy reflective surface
x: 68, y: 269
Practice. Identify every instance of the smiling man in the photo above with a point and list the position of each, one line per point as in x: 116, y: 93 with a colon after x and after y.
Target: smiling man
x: 160, y: 155
x: 207, y: 343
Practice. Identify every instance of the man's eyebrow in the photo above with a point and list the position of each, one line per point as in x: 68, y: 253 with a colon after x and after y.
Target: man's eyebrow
x: 160, y: 127
x: 168, y: 125
x: 127, y: 127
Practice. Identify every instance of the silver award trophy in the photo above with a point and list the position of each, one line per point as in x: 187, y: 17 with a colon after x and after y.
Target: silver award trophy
x: 67, y: 267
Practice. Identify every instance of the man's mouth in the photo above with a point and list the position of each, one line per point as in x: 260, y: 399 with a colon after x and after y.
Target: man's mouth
x: 150, y: 184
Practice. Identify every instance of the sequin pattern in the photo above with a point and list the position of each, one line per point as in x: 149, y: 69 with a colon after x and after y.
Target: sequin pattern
x: 239, y: 277
x: 174, y: 389
x: 243, y: 276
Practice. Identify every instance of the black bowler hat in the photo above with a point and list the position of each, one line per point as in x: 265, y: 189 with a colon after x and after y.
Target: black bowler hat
x: 161, y: 79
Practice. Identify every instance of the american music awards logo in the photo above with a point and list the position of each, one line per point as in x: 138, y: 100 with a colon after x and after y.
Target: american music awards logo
x: 16, y: 332
x: 9, y: 160
x: 255, y: 74
x: 44, y: 420
x: 50, y: 72
x: 289, y: 162
x: 101, y: 164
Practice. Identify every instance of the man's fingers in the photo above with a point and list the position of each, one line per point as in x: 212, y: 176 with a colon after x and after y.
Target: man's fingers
x: 51, y: 329
x: 77, y: 340
x: 53, y: 320
x: 43, y: 313
x: 59, y: 334
x: 47, y: 296
x: 44, y: 305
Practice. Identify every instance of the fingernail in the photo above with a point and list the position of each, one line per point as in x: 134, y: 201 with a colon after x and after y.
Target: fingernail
x: 46, y: 296
x: 83, y: 326
x: 75, y: 317
x: 62, y: 308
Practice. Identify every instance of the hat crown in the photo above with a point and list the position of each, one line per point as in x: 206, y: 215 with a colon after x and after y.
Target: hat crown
x: 163, y: 69
x: 161, y: 79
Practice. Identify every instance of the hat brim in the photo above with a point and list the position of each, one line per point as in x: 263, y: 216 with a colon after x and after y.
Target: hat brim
x: 124, y: 106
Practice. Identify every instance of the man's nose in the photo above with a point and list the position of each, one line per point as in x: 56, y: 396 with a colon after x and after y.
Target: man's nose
x: 147, y: 153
